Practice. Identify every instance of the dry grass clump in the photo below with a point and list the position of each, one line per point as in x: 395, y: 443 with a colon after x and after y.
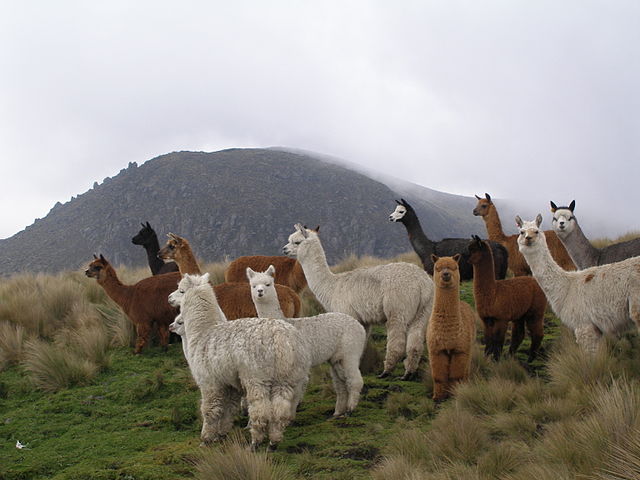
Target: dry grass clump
x: 216, y: 271
x: 233, y: 460
x: 622, y: 462
x: 605, y: 241
x: 12, y: 338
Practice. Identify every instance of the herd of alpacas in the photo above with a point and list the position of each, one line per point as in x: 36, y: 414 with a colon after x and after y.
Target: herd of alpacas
x: 247, y: 346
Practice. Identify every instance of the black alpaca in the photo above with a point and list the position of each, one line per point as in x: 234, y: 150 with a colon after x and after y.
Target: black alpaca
x: 446, y: 247
x: 149, y: 240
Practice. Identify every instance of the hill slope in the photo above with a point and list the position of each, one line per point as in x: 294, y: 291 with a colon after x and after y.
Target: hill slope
x: 230, y: 203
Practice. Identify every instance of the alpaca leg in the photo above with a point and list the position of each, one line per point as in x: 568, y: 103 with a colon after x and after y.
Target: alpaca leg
x: 588, y: 337
x: 282, y: 398
x: 459, y: 368
x: 517, y: 335
x: 499, y: 332
x: 414, y: 348
x: 212, y: 406
x: 634, y: 310
x: 340, y: 387
x: 231, y: 409
x: 353, y: 381
x: 489, y: 324
x: 535, y: 326
x: 259, y: 407
x: 143, y: 330
x: 396, y: 345
x: 439, y: 362
x: 163, y: 333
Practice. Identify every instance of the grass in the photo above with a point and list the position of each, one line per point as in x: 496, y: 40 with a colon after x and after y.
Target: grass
x: 71, y: 390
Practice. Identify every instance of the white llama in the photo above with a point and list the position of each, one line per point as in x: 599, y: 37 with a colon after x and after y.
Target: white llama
x: 334, y: 337
x: 400, y: 294
x: 591, y: 302
x: 264, y: 359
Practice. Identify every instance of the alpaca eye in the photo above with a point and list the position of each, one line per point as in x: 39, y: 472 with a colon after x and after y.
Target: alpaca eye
x: 267, y: 284
x: 297, y: 243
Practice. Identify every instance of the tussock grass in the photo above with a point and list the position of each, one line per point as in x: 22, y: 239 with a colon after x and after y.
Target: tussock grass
x: 12, y: 338
x: 235, y: 461
x: 622, y: 461
x: 602, y: 242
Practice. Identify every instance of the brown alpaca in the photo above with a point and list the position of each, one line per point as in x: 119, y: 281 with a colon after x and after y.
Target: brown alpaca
x: 519, y: 300
x: 145, y: 303
x: 518, y: 265
x: 288, y: 270
x: 234, y: 297
x: 451, y: 330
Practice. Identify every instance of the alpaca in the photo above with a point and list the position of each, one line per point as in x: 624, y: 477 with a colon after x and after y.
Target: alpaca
x: 264, y: 359
x: 591, y: 302
x: 400, y: 294
x: 585, y: 255
x: 487, y: 210
x: 333, y: 337
x: 424, y: 247
x: 289, y: 271
x: 234, y: 298
x: 519, y: 300
x: 144, y: 303
x: 149, y: 240
x: 177, y: 327
x: 451, y: 331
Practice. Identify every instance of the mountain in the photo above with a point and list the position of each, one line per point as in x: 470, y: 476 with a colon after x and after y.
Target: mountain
x: 231, y: 203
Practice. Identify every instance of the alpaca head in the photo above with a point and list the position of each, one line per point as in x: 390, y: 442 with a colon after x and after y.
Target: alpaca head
x: 530, y: 237
x: 478, y: 249
x: 186, y: 283
x: 297, y: 238
x: 172, y: 248
x: 401, y: 210
x: 446, y: 273
x: 483, y: 206
x: 263, y: 287
x: 177, y: 326
x: 97, y: 268
x: 145, y: 235
x: 564, y: 222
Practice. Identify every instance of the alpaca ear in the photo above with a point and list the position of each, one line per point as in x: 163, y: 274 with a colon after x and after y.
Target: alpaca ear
x: 538, y: 220
x: 250, y: 273
x: 204, y: 278
x: 476, y: 238
x: 554, y: 207
x: 434, y: 258
x: 298, y: 226
x: 271, y: 271
x: 518, y: 221
x: 487, y: 196
x: 572, y: 205
x: 148, y: 226
x: 477, y: 197
x: 102, y: 258
x: 143, y: 225
x: 398, y: 202
x: 317, y: 229
x: 457, y: 257
x: 95, y: 257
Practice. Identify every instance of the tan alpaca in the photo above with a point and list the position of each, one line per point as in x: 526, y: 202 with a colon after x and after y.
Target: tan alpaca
x: 451, y: 330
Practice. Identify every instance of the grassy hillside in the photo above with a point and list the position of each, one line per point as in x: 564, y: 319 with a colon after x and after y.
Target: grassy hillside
x: 87, y: 408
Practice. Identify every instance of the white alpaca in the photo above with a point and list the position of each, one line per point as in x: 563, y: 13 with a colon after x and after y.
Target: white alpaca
x: 264, y: 359
x: 591, y: 302
x: 336, y: 338
x: 400, y: 294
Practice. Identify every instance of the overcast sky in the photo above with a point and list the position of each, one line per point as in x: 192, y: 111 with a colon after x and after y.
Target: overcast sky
x: 535, y: 100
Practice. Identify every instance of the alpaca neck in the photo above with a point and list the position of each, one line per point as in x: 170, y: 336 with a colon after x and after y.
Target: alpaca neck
x: 484, y: 279
x: 554, y: 281
x: 446, y: 307
x: 268, y: 308
x: 580, y: 250
x: 186, y: 261
x: 419, y: 240
x: 319, y: 277
x: 115, y: 289
x: 494, y: 226
x: 152, y: 248
x: 200, y: 319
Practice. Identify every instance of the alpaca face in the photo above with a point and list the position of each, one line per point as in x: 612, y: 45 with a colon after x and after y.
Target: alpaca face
x: 144, y: 236
x: 398, y: 214
x: 295, y: 239
x: 263, y: 287
x: 186, y: 283
x: 482, y: 207
x: 97, y: 267
x: 177, y: 326
x: 446, y: 273
x: 530, y: 233
x: 563, y: 221
x: 477, y: 249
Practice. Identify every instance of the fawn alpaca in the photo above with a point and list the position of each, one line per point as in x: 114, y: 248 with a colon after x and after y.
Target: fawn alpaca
x: 332, y: 337
x: 234, y: 298
x: 519, y: 300
x: 518, y: 265
x: 591, y: 302
x: 451, y: 330
x: 145, y: 303
x: 288, y: 270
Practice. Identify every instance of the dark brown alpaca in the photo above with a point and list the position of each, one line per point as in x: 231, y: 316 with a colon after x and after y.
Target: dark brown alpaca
x: 145, y: 303
x: 288, y: 270
x: 518, y: 265
x: 519, y: 300
x: 234, y: 297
